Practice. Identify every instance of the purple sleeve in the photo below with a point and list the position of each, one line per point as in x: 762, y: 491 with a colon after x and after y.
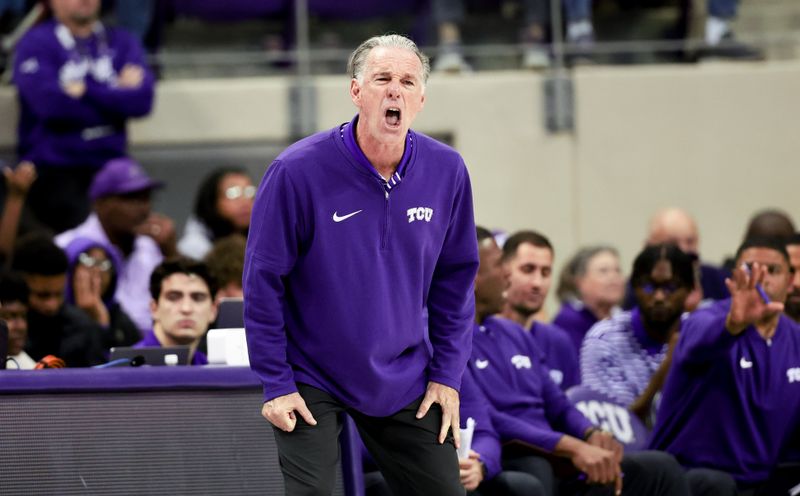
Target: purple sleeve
x: 125, y: 102
x: 704, y: 337
x: 485, y: 441
x: 36, y: 69
x: 559, y: 410
x: 511, y: 427
x: 451, y: 301
x: 272, y: 248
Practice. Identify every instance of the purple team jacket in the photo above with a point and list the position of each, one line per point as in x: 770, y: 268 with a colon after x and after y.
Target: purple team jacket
x: 56, y: 130
x: 730, y: 402
x: 338, y: 271
x: 526, y: 405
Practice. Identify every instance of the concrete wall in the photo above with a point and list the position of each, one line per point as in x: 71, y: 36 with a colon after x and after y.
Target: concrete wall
x: 718, y: 139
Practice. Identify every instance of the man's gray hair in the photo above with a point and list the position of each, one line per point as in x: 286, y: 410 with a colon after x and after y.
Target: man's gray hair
x: 358, y: 59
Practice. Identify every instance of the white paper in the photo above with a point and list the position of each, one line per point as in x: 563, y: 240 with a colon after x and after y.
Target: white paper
x: 466, y: 439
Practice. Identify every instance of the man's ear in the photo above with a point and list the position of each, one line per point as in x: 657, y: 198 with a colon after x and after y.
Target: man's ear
x: 355, y: 92
x: 153, y: 309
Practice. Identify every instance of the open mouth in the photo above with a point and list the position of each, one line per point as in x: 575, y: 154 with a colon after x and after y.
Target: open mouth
x: 393, y: 116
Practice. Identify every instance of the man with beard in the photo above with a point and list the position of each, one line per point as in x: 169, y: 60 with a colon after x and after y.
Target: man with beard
x: 628, y: 356
x: 792, y: 307
x: 528, y: 258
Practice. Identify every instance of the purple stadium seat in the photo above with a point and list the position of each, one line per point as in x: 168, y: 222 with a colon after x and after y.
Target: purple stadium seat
x: 610, y: 416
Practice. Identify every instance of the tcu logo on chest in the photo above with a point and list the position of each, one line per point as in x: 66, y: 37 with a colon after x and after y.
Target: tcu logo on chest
x: 793, y: 374
x: 419, y: 213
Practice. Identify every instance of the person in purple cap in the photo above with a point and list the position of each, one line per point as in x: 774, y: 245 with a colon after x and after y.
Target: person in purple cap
x: 183, y: 306
x: 731, y: 402
x: 356, y: 231
x: 528, y: 256
x: 122, y: 219
x: 539, y: 428
x: 79, y: 82
x: 627, y: 357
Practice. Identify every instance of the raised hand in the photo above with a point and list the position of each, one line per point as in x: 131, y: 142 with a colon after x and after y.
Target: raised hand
x: 747, y: 304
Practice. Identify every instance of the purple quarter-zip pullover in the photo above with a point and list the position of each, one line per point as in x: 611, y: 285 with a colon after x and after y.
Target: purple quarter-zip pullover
x: 339, y: 268
x: 559, y: 354
x: 526, y: 405
x: 576, y: 319
x: 730, y: 402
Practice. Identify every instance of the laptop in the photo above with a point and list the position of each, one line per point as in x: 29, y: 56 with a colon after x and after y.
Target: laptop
x: 152, y: 355
x: 230, y: 313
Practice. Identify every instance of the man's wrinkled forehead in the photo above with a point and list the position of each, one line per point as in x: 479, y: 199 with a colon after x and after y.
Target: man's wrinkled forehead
x: 389, y: 60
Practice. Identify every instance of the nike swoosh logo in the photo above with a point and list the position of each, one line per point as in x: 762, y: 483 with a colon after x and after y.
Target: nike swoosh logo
x: 337, y: 218
x: 481, y: 364
x: 743, y: 363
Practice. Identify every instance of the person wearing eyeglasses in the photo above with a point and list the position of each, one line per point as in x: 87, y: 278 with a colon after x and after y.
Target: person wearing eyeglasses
x: 731, y: 401
x: 92, y: 274
x: 222, y: 207
x: 627, y: 357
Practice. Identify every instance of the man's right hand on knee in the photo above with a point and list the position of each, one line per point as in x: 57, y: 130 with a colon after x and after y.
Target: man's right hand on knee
x: 280, y: 411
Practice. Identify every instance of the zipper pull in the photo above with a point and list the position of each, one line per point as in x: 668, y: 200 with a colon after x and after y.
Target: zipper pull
x: 386, y: 193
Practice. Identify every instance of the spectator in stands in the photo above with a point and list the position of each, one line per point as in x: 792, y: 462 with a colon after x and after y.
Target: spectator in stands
x: 18, y: 182
x: 55, y: 327
x: 122, y: 219
x: 449, y: 15
x: 675, y: 225
x: 528, y: 257
x: 78, y: 82
x: 14, y: 311
x: 222, y: 207
x: 226, y: 264
x: 792, y: 308
x: 627, y: 357
x: 92, y: 274
x: 536, y: 422
x: 732, y: 396
x: 183, y: 306
x: 590, y: 289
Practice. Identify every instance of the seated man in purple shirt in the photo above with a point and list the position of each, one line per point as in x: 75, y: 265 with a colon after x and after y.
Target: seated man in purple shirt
x: 731, y: 402
x: 793, y: 298
x: 79, y: 82
x: 355, y: 232
x: 627, y: 356
x: 182, y: 306
x: 536, y: 422
x: 528, y: 257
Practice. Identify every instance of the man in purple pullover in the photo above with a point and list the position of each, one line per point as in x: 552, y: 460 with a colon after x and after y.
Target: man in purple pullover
x: 536, y: 422
x: 731, y: 402
x: 355, y: 231
x: 79, y: 82
x: 528, y: 257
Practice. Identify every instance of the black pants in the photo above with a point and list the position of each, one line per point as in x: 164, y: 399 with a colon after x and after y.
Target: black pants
x: 405, y: 449
x: 651, y: 473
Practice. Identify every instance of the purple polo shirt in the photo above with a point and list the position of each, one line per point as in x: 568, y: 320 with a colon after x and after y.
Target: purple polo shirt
x: 559, y: 354
x: 525, y: 404
x: 150, y: 339
x: 730, y: 403
x: 133, y: 280
x: 576, y: 319
x: 339, y: 268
